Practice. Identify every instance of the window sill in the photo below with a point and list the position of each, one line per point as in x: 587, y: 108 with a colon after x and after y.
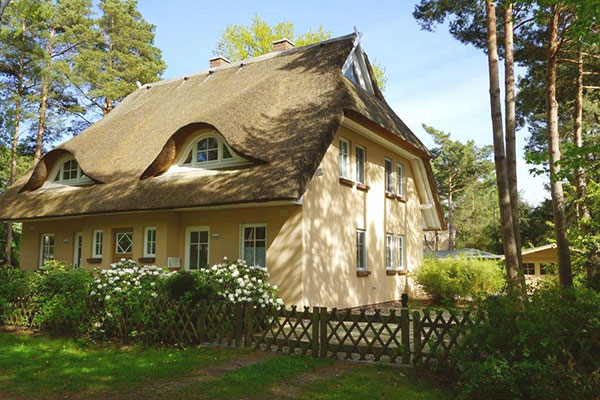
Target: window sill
x: 363, y: 187
x: 346, y: 182
x: 390, y: 272
x: 402, y: 272
x: 400, y: 198
x: 147, y: 260
x: 390, y: 195
x: 363, y: 273
x: 94, y: 260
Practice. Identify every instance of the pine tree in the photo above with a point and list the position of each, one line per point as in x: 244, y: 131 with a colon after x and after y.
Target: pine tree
x: 123, y: 53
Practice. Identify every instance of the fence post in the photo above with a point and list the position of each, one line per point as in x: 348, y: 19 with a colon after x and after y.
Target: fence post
x: 405, y: 329
x: 416, y: 336
x: 315, y: 332
x: 201, y: 322
x: 249, y: 320
x: 323, y: 332
x: 239, y: 324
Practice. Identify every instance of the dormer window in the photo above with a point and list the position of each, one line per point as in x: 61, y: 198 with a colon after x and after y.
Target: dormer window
x: 209, y: 151
x: 67, y: 172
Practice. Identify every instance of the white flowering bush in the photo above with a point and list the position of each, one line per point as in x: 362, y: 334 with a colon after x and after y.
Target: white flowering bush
x: 238, y: 282
x: 125, y: 299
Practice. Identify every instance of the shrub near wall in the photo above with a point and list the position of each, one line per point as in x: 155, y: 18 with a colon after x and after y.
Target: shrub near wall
x: 449, y: 279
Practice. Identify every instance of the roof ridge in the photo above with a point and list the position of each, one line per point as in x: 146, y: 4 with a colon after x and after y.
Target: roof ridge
x: 246, y: 61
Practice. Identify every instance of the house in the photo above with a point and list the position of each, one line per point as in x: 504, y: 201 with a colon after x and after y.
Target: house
x: 465, y: 252
x: 540, y: 262
x: 292, y: 160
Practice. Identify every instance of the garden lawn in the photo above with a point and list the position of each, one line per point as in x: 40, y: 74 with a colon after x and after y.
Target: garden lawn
x: 41, y: 367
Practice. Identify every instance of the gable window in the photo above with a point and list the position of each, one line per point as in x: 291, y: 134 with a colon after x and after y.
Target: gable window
x: 344, y: 159
x: 254, y: 244
x: 68, y: 172
x: 389, y: 251
x: 360, y: 164
x: 401, y: 179
x: 401, y: 250
x: 97, y: 239
x: 361, y: 249
x: 197, y: 247
x: 389, y: 176
x: 355, y: 69
x: 208, y: 150
x: 150, y: 242
x: 46, y: 248
x: 529, y: 268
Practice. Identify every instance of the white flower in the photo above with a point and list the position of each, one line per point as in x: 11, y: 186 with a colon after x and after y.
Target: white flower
x: 92, y: 293
x: 107, y: 297
x: 154, y: 294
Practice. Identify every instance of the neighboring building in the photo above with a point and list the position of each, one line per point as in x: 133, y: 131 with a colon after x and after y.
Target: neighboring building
x: 466, y: 252
x: 540, y: 262
x: 292, y: 160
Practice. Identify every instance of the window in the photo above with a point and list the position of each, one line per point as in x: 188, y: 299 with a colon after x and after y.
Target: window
x: 361, y: 249
x: 77, y: 250
x: 197, y: 247
x: 150, y: 242
x: 208, y: 150
x: 401, y: 179
x: 400, y: 242
x: 68, y: 172
x: 389, y: 176
x: 46, y: 248
x: 547, y: 268
x: 360, y: 164
x: 355, y: 69
x: 529, y: 268
x: 124, y: 242
x: 389, y: 251
x: 254, y: 244
x: 97, y: 238
x: 344, y: 158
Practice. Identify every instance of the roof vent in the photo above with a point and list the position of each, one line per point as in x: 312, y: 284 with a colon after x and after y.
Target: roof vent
x: 283, y: 44
x: 218, y: 61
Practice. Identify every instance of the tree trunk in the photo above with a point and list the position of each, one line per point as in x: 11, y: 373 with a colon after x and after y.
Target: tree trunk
x: 580, y: 184
x: 510, y: 119
x: 39, y: 144
x: 508, y: 231
x: 558, y: 203
x: 451, y: 231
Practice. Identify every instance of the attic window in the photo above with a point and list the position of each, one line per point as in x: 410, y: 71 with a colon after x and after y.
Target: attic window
x: 68, y: 172
x: 355, y: 69
x: 209, y: 151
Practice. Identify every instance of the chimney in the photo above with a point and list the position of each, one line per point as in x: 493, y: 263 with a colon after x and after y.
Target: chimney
x: 218, y: 61
x: 283, y: 44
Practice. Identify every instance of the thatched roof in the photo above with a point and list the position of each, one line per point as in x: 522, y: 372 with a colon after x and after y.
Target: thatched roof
x: 280, y: 110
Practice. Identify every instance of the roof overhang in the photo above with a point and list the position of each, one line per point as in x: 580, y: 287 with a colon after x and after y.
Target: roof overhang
x: 431, y: 210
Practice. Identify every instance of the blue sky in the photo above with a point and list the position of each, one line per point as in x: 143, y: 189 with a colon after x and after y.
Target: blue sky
x: 432, y: 78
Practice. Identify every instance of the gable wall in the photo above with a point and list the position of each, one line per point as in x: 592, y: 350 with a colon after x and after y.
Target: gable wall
x: 332, y: 212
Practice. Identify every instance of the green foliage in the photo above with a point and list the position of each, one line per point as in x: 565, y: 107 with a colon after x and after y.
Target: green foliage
x: 240, y: 42
x: 61, y: 294
x: 189, y: 287
x: 517, y: 352
x: 15, y: 284
x: 448, y: 279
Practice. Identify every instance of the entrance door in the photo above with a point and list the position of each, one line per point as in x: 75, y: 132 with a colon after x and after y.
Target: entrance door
x: 77, y: 249
x: 123, y: 244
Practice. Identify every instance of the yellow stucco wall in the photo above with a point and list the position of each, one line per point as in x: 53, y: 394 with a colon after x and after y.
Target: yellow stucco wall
x: 332, y: 212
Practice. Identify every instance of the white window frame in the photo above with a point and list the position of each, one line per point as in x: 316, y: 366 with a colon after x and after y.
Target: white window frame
x: 76, y: 248
x: 389, y: 179
x: 401, y: 252
x: 401, y: 178
x: 253, y: 225
x: 389, y: 251
x: 357, y: 62
x: 359, y: 166
x: 188, y: 230
x: 146, y: 253
x: 42, y: 236
x: 95, y: 253
x: 344, y: 169
x: 57, y: 171
x: 527, y: 270
x: 181, y: 165
x: 364, y: 261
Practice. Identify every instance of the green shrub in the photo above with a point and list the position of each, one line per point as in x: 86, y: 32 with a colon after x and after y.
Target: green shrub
x: 518, y: 351
x: 190, y: 287
x: 61, y: 294
x: 15, y: 285
x: 448, y: 279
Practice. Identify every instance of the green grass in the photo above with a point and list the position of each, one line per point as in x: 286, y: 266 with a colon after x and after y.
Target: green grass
x: 375, y: 382
x: 37, y: 366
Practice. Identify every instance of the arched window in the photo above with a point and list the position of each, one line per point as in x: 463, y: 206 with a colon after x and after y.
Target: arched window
x: 209, y: 151
x: 68, y: 172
